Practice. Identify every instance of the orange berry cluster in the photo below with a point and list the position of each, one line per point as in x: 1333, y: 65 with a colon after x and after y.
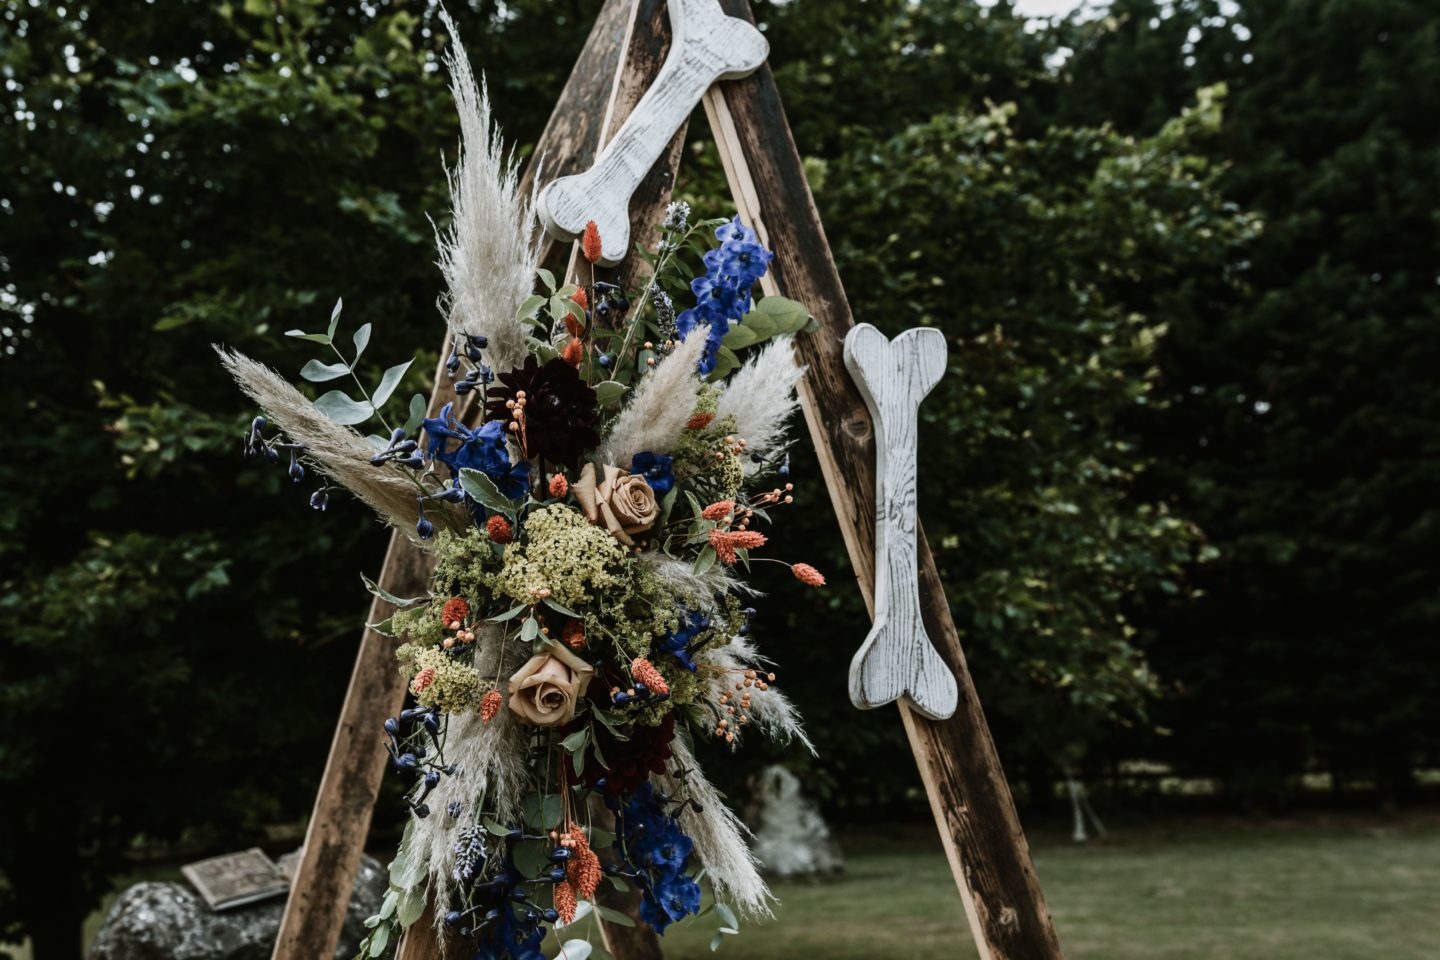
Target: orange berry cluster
x: 452, y: 617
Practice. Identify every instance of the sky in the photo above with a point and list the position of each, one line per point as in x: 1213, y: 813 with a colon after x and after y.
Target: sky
x: 1045, y: 8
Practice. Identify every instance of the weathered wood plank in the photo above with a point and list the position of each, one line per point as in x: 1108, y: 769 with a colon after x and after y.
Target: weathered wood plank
x: 897, y: 658
x: 706, y: 45
x: 958, y: 763
x: 340, y: 822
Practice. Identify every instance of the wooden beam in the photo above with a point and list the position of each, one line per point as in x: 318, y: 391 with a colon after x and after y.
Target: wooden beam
x: 340, y: 822
x: 968, y: 793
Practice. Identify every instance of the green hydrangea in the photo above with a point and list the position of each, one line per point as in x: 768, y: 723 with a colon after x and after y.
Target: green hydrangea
x: 565, y: 554
x: 684, y: 688
x: 454, y: 686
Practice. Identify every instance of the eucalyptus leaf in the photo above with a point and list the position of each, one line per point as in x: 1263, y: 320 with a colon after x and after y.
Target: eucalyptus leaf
x: 379, y: 940
x: 335, y: 317
x: 582, y: 910
x: 620, y: 884
x: 361, y: 340
x: 389, y: 380
x: 559, y: 607
x: 312, y: 337
x: 727, y: 914
x: 531, y: 856
x: 613, y: 916
x: 575, y: 740
x: 389, y: 597
x: 418, y: 407
x: 317, y: 372
x: 338, y: 406
x: 574, y: 950
x: 412, y: 905
x: 510, y: 614
x: 483, y: 489
x: 530, y: 631
x: 547, y: 278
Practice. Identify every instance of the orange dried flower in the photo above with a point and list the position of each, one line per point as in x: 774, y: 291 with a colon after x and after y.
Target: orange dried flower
x: 720, y: 510
x: 499, y: 529
x: 726, y: 542
x: 453, y: 614
x: 573, y: 634
x: 590, y: 243
x: 489, y: 705
x: 422, y: 680
x: 565, y: 901
x: 583, y: 871
x: 573, y: 353
x: 559, y: 486
x: 699, y: 421
x: 581, y: 297
x: 644, y: 672
x: 808, y: 575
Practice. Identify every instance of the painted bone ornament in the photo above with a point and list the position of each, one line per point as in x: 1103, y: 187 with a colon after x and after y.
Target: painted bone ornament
x: 897, y: 658
x: 707, y: 45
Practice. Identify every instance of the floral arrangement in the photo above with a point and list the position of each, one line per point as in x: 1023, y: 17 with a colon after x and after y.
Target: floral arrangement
x: 593, y: 495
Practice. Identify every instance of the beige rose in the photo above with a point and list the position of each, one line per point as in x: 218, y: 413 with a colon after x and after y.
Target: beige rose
x: 545, y: 690
x: 621, y: 503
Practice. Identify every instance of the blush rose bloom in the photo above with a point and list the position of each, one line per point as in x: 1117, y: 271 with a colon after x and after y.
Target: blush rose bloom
x: 545, y: 691
x: 622, y: 503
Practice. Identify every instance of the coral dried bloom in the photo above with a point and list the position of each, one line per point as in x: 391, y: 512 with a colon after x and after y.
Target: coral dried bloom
x: 565, y: 901
x: 699, y: 421
x: 644, y: 672
x: 453, y: 614
x: 559, y: 486
x: 490, y: 705
x: 573, y: 634
x: 422, y: 680
x: 808, y: 575
x: 499, y: 529
x: 726, y: 542
x: 719, y: 510
x: 590, y: 243
x: 573, y: 353
x: 581, y: 297
x: 583, y: 871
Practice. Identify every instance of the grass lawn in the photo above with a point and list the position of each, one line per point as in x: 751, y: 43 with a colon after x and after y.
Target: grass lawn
x: 1312, y: 888
x: 1336, y: 889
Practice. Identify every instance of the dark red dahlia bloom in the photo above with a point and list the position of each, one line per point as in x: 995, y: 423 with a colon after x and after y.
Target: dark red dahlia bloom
x: 559, y: 413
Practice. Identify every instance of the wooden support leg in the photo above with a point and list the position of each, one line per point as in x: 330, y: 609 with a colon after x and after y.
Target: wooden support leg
x: 962, y: 774
x: 335, y: 840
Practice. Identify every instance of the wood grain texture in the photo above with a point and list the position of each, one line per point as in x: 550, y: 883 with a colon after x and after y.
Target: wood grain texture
x: 340, y: 821
x: 706, y: 45
x: 957, y: 759
x: 897, y: 658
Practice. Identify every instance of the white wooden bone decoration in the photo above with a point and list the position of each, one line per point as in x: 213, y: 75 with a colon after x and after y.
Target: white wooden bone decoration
x: 706, y: 46
x: 897, y: 658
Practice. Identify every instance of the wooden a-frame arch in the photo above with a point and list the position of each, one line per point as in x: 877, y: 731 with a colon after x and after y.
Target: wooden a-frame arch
x: 958, y: 764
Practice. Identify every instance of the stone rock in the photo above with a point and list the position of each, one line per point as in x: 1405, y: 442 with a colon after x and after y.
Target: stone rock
x: 170, y: 921
x: 791, y: 838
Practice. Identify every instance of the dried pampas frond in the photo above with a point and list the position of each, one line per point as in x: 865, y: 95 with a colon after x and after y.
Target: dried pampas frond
x: 771, y: 712
x: 719, y: 837
x: 697, y: 590
x: 660, y: 407
x: 491, y: 250
x: 341, y: 453
x: 490, y: 760
x: 761, y: 398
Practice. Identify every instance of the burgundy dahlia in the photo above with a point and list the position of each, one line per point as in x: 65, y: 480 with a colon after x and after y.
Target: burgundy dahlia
x: 558, y: 416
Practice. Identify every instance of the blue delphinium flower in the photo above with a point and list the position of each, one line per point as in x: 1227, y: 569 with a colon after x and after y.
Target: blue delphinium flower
x: 480, y: 449
x: 722, y: 295
x: 677, y: 644
x: 658, y: 470
x: 653, y: 845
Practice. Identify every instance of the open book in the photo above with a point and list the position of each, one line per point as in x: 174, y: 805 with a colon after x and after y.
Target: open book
x: 233, y: 879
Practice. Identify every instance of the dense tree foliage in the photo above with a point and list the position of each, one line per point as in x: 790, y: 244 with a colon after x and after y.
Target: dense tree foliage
x: 1186, y: 325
